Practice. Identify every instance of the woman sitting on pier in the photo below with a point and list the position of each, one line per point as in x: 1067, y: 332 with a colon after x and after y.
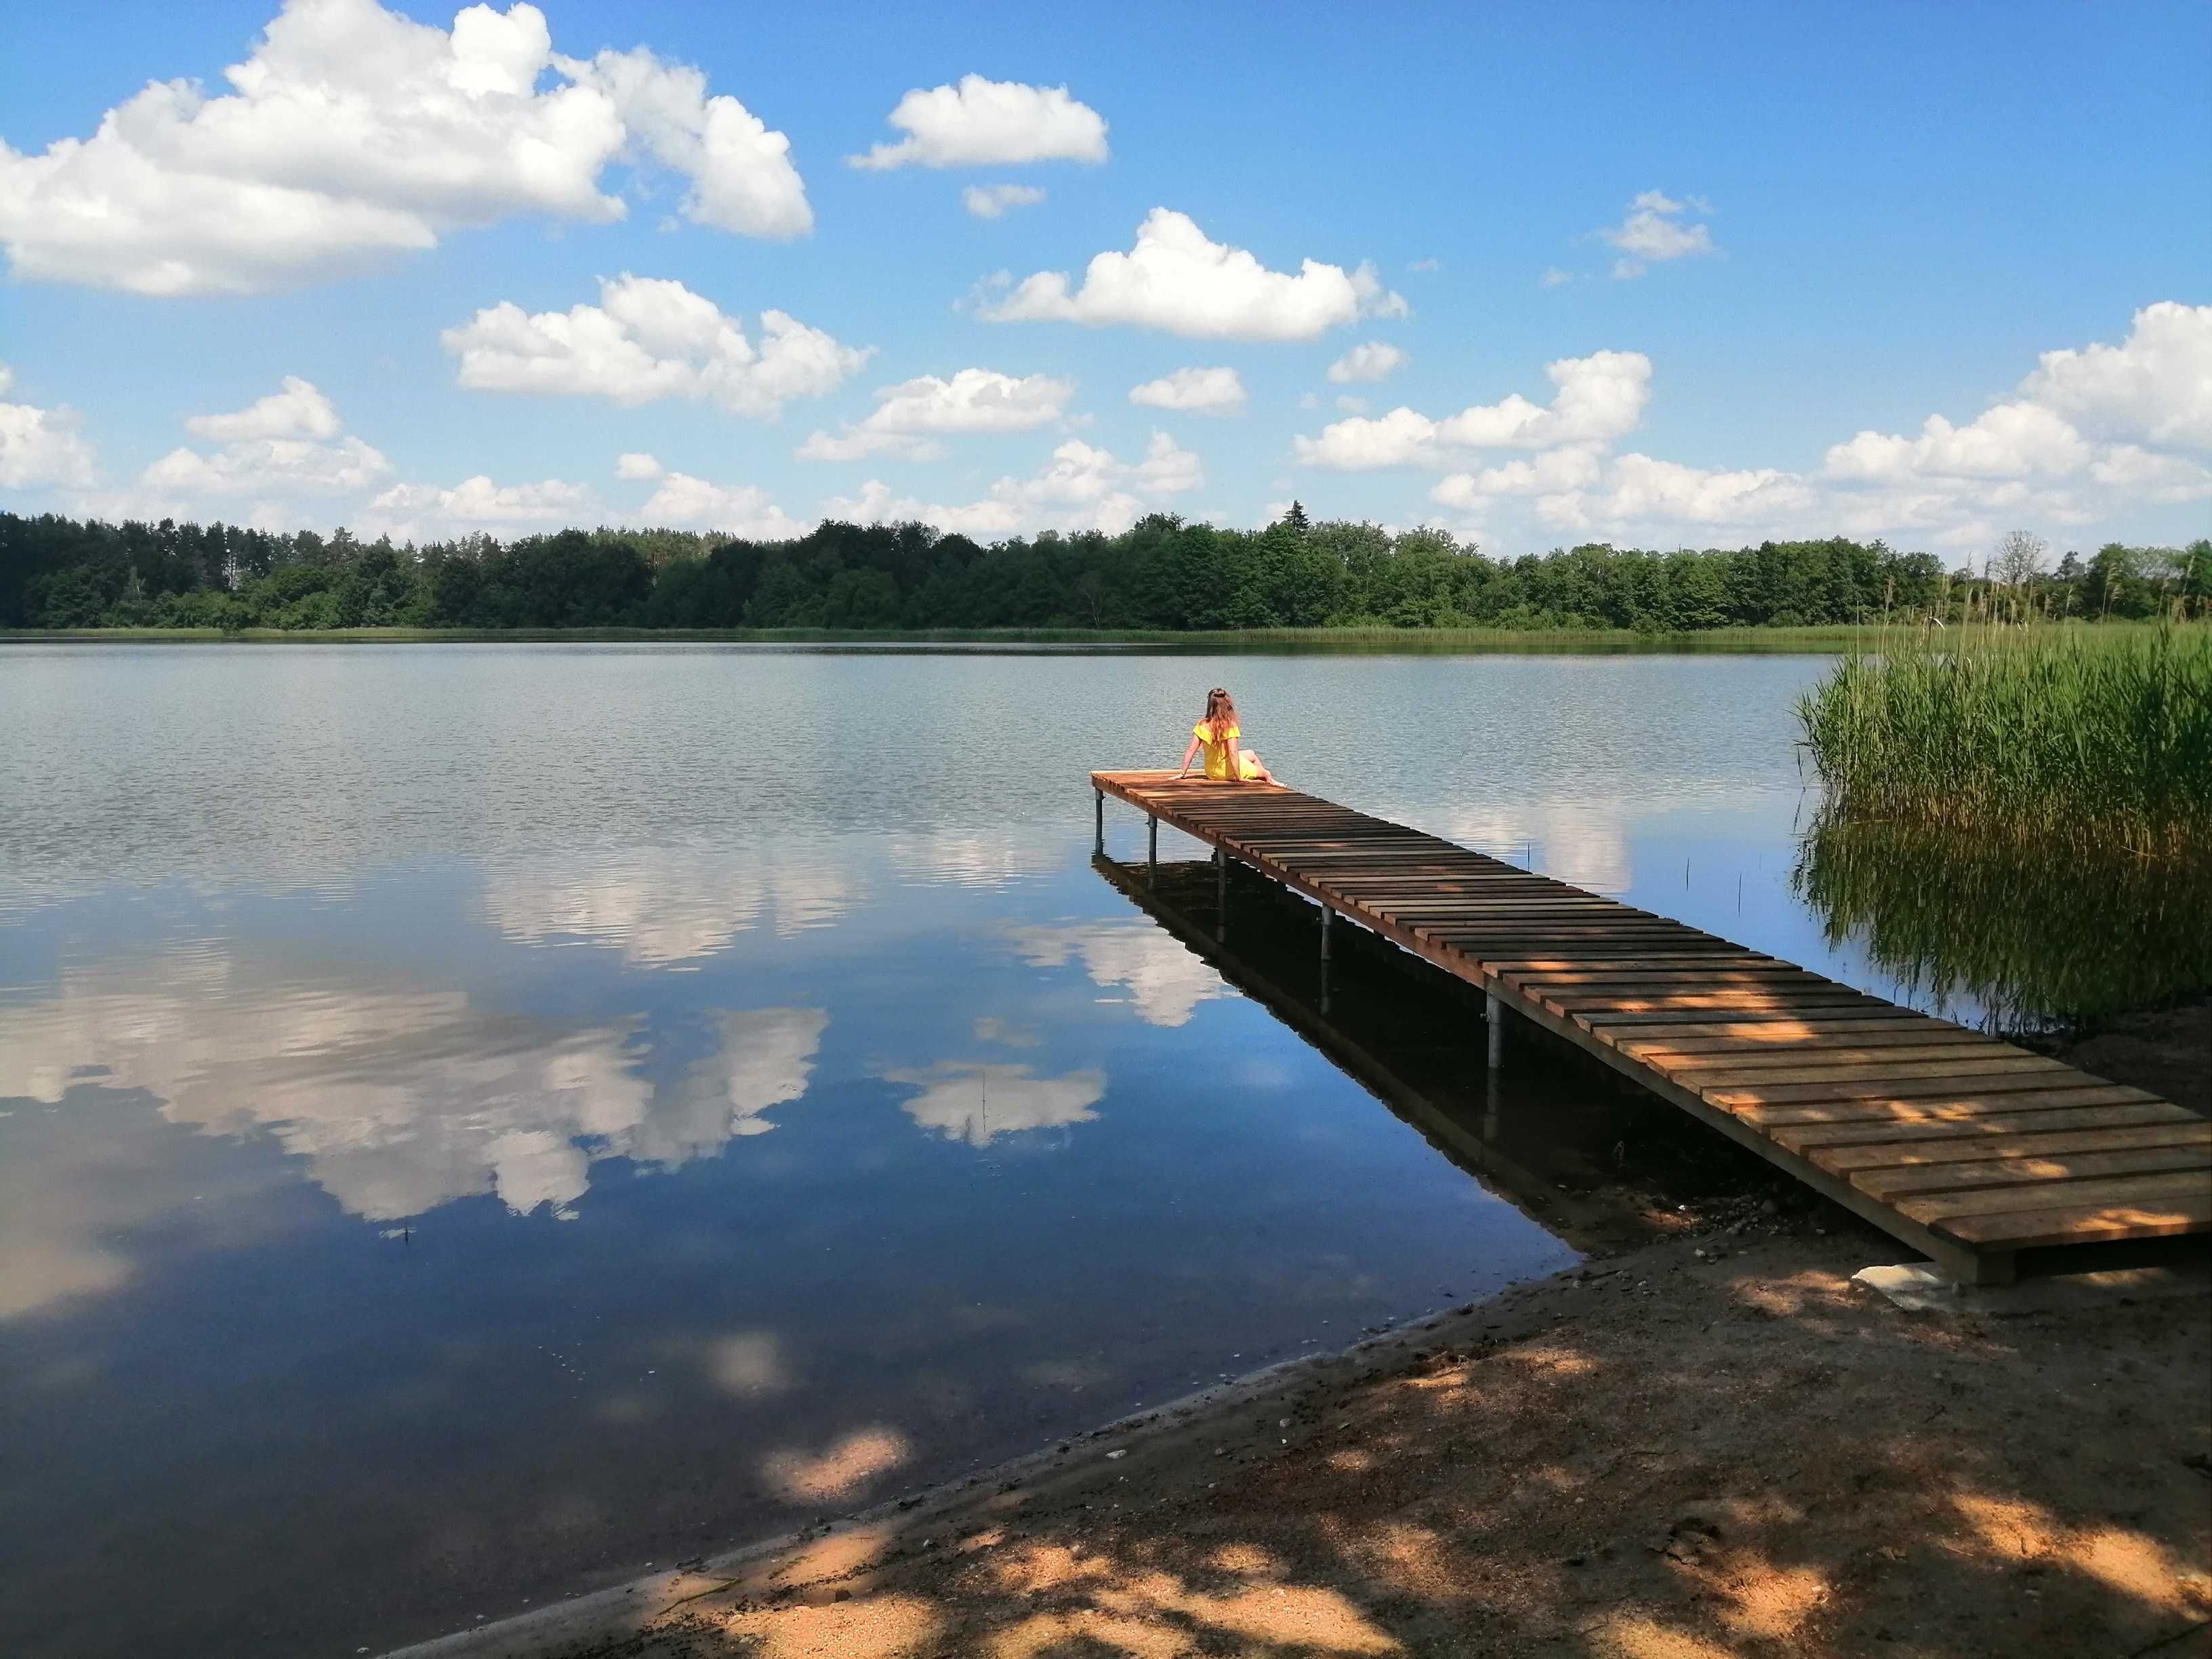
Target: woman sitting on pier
x: 1217, y: 735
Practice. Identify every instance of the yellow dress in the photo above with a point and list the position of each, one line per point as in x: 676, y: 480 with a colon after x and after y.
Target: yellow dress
x: 1218, y: 751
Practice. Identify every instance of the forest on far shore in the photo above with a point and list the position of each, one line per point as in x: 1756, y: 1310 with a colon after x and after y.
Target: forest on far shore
x: 1162, y: 573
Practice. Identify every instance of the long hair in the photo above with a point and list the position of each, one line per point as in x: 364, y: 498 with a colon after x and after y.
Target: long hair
x: 1221, y: 715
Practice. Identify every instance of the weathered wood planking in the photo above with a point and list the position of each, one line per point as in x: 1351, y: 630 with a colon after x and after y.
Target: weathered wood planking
x: 1966, y: 1148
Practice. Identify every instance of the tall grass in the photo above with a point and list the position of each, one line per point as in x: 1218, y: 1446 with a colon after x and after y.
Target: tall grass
x: 2071, y: 736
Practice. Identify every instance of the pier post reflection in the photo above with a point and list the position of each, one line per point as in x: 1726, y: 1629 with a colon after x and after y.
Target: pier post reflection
x: 1397, y: 1027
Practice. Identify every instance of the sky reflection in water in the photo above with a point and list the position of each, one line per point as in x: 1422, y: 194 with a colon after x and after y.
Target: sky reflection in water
x: 475, y: 1118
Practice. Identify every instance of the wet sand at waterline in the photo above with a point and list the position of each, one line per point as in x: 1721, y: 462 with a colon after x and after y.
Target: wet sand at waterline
x: 1713, y: 1443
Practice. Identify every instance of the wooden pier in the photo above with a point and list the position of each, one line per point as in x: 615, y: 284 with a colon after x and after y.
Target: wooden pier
x: 1967, y: 1149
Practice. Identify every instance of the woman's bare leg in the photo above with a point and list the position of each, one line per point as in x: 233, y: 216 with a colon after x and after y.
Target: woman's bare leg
x: 1252, y: 759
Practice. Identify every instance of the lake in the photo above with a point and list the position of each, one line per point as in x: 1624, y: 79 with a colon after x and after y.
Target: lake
x: 476, y: 1121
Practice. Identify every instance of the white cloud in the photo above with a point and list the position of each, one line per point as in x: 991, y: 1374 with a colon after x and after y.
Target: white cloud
x: 297, y: 411
x: 286, y: 444
x: 1598, y: 398
x: 1426, y: 264
x: 2164, y: 479
x: 878, y: 503
x: 1177, y: 280
x: 1547, y: 473
x: 419, y: 513
x: 1080, y: 487
x: 1376, y: 361
x: 906, y: 417
x: 268, y: 466
x: 745, y: 510
x: 649, y: 339
x: 1553, y: 276
x: 2154, y: 384
x: 636, y: 466
x: 995, y: 200
x: 741, y: 176
x: 982, y: 123
x: 2012, y: 440
x: 2022, y: 462
x: 1349, y: 405
x: 351, y: 133
x: 1641, y: 491
x: 1196, y: 391
x: 1655, y: 231
x: 40, y: 447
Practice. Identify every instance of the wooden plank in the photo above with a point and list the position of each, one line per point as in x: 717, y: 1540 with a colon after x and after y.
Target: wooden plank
x: 1887, y: 1038
x: 1733, y: 1004
x: 1979, y: 1148
x: 1896, y: 1025
x: 1457, y: 918
x: 2059, y: 1092
x: 2142, y: 1191
x: 1480, y: 951
x: 1810, y: 1138
x: 2084, y: 1223
x: 1547, y: 988
x: 1814, y: 1068
x: 1875, y: 1060
x: 1626, y: 933
x: 1604, y: 1023
x: 2030, y: 1171
x: 1667, y: 977
x: 1902, y: 1089
x: 1578, y: 961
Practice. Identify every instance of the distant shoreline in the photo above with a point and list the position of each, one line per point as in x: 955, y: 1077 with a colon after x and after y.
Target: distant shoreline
x: 1443, y: 640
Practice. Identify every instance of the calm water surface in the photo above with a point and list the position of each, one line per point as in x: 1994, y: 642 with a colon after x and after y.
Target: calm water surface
x: 479, y: 1120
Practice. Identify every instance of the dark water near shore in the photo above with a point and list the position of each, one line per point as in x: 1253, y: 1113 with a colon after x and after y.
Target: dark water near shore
x: 476, y: 1118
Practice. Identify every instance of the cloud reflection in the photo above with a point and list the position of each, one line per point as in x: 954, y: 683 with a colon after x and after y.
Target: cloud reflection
x: 1583, y: 843
x: 1165, y: 981
x: 972, y: 860
x: 977, y: 1102
x: 666, y: 906
x: 402, y: 1100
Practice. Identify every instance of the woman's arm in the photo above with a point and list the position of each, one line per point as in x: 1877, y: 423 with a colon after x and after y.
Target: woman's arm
x: 1186, y: 754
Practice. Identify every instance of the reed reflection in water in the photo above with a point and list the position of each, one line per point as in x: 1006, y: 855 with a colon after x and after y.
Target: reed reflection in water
x: 2032, y: 934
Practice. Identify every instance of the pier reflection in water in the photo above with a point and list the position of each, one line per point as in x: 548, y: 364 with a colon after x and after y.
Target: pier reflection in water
x: 2007, y: 935
x: 1550, y: 1132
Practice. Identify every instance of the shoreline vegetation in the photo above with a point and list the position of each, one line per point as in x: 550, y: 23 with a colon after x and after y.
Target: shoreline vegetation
x: 2021, y: 815
x: 1162, y: 580
x: 2087, y: 741
x: 1822, y: 639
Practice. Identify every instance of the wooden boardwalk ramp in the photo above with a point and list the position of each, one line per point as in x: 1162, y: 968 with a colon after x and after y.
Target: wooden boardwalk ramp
x: 1966, y: 1148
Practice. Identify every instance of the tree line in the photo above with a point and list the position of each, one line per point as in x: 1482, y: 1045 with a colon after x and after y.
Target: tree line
x: 1162, y: 573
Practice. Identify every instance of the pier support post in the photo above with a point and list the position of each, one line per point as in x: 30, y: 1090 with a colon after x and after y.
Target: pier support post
x: 1327, y: 918
x: 1494, y: 1016
x: 1098, y: 806
x: 1220, y: 894
x: 1152, y: 847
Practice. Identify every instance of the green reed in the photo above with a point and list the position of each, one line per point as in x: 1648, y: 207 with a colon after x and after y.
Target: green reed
x: 2070, y: 737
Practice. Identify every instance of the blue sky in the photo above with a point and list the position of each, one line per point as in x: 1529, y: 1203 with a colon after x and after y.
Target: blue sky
x: 1749, y: 251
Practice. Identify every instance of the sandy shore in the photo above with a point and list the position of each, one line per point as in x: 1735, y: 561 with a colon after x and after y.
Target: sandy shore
x: 1711, y: 1443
